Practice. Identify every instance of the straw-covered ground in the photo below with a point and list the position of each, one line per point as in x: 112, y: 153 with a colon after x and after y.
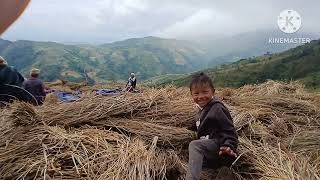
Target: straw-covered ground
x: 144, y: 136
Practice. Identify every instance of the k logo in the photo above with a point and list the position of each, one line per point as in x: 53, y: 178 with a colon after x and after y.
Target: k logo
x: 289, y: 21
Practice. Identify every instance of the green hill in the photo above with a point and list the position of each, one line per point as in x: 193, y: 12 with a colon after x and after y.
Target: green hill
x: 301, y: 63
x: 224, y: 50
x: 148, y: 57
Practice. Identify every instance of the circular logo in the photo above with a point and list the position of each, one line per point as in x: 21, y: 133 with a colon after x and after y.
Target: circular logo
x: 289, y: 21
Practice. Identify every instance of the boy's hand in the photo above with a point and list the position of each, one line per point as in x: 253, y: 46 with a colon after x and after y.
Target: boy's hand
x: 227, y: 151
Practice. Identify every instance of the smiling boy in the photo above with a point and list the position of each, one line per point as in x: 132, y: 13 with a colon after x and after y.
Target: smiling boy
x: 217, y: 138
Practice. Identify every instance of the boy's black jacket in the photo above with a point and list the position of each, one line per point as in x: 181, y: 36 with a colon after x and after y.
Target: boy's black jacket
x: 216, y: 121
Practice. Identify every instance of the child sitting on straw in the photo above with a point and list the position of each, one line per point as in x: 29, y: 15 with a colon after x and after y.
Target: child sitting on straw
x: 218, y: 140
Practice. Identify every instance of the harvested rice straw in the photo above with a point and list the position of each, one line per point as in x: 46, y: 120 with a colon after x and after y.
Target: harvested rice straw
x: 23, y: 114
x: 51, y: 99
x: 277, y: 123
x: 177, y: 112
x: 51, y: 151
x: 93, y: 109
x: 168, y: 136
x: 271, y: 88
x: 139, y: 161
x: 90, y: 153
x: 305, y: 112
x: 306, y: 141
x: 269, y: 162
x: 280, y: 103
x: 4, y: 123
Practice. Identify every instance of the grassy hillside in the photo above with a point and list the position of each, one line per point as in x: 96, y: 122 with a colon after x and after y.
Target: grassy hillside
x: 253, y: 43
x: 301, y: 63
x: 148, y: 57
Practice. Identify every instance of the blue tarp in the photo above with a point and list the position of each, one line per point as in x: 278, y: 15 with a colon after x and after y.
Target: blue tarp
x: 108, y: 92
x: 68, y: 97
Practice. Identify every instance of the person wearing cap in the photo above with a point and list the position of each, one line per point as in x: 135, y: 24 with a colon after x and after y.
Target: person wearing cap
x: 35, y: 86
x: 9, y: 75
x: 132, y: 82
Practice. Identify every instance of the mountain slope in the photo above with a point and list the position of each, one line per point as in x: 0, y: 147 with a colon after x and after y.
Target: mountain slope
x: 254, y: 43
x: 148, y: 57
x: 301, y: 63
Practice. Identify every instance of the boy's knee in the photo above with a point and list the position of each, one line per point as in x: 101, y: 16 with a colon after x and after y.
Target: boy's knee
x: 203, y: 145
x: 194, y: 145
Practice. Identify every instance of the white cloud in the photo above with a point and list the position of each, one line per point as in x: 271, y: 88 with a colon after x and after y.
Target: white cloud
x: 202, y: 22
x: 111, y: 20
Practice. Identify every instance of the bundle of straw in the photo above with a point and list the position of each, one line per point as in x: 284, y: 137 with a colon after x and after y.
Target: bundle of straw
x: 91, y: 109
x: 167, y: 136
x: 52, y: 152
x: 263, y: 160
x: 143, y: 136
x: 23, y: 114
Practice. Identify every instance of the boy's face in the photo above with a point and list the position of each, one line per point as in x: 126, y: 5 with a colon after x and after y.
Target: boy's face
x: 202, y: 94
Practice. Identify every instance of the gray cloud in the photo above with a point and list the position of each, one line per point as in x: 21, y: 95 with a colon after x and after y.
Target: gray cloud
x: 98, y: 21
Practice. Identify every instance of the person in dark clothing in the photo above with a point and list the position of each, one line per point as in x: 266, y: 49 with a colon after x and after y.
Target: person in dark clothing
x: 9, y: 75
x: 35, y: 86
x: 10, y: 85
x: 10, y: 79
x: 217, y: 141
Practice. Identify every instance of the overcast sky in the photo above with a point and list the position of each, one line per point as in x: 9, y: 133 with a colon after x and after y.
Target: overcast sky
x: 99, y: 21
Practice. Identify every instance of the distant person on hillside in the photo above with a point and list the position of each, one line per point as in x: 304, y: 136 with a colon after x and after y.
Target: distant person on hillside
x: 217, y: 138
x: 35, y: 86
x: 132, y: 82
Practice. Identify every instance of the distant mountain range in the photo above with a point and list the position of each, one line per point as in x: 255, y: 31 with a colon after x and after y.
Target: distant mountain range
x: 255, y: 43
x: 148, y: 57
x: 301, y: 63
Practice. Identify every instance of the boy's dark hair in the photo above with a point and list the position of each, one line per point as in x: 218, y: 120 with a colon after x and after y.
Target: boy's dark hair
x: 201, y: 78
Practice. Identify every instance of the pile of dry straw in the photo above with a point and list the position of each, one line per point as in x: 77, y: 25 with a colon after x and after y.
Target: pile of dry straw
x: 144, y: 136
